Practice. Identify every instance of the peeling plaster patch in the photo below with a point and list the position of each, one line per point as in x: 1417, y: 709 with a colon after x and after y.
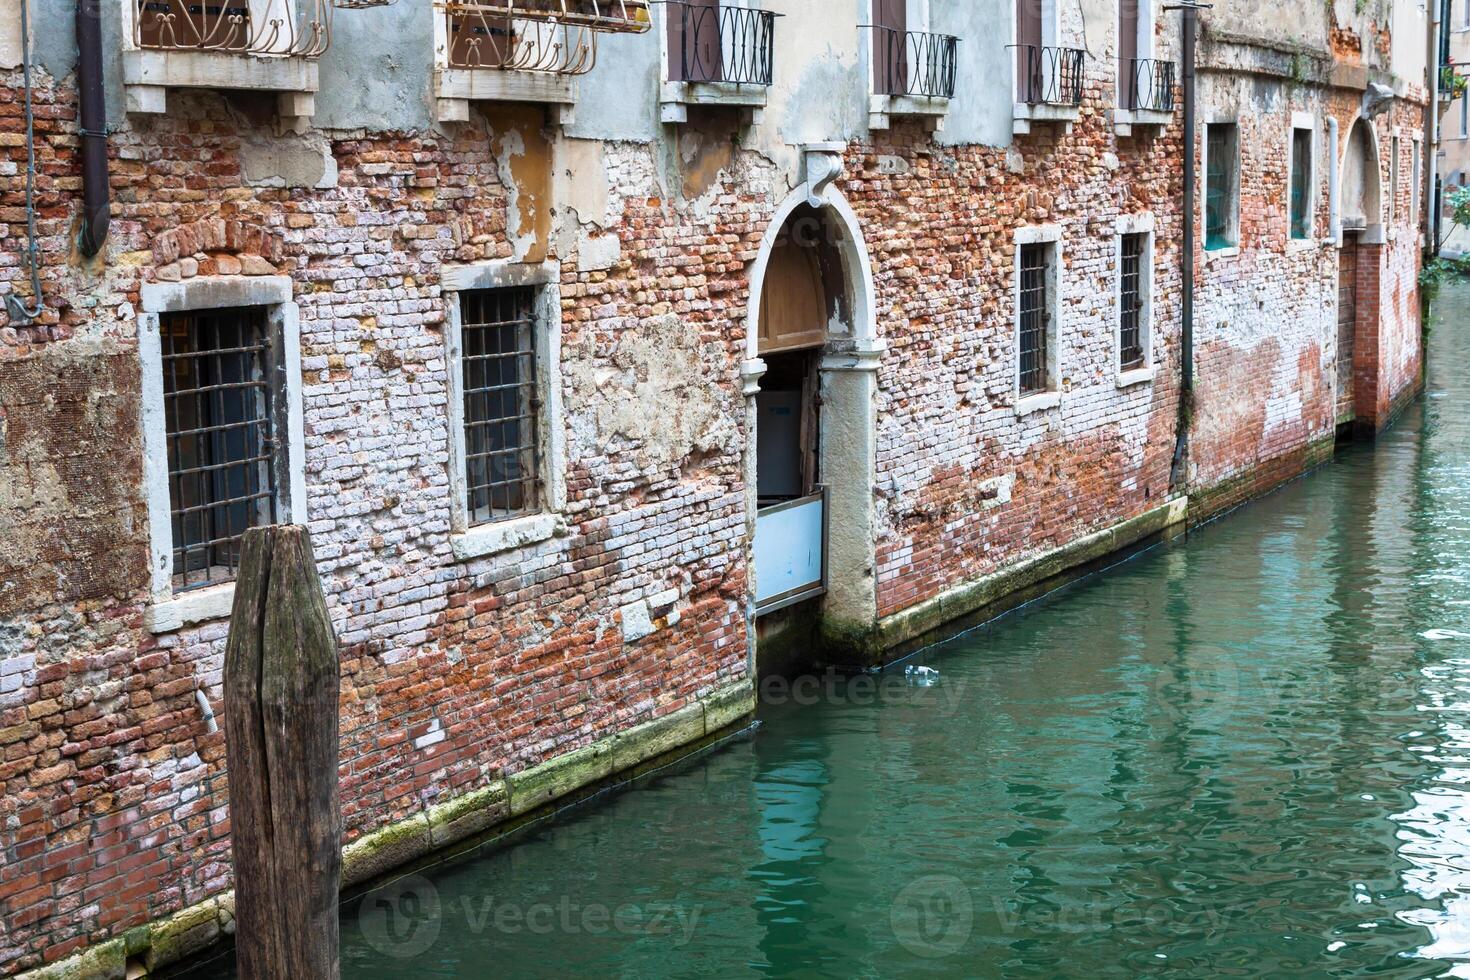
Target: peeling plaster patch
x: 523, y: 159
x: 288, y: 162
x: 651, y: 396
x: 701, y: 159
x: 888, y: 164
x: 596, y: 253
x: 637, y: 623
x: 1015, y: 162
x: 582, y: 184
x: 997, y: 490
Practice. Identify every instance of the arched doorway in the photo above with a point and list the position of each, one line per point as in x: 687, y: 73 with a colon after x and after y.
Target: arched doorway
x: 1361, y: 218
x: 811, y: 382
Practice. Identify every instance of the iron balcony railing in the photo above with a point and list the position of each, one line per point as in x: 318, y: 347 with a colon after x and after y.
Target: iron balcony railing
x: 557, y: 37
x: 1049, y: 76
x: 716, y: 43
x: 914, y: 63
x: 1149, y: 85
x: 284, y: 28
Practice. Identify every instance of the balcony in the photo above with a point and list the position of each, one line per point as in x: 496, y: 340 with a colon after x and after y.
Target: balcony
x: 1145, y: 95
x: 522, y: 50
x: 254, y: 45
x: 1048, y: 86
x: 717, y: 56
x: 913, y: 75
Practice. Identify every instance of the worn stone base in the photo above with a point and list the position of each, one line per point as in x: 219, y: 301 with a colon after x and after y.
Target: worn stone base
x: 1208, y: 503
x: 502, y: 807
x: 975, y: 601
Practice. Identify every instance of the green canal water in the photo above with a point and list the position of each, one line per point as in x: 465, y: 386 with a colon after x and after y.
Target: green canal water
x: 1247, y: 754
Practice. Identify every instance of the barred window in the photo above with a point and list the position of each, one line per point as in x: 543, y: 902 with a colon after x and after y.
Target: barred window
x: 220, y: 402
x: 1132, y: 284
x: 1301, y: 183
x: 1221, y: 186
x: 497, y: 330
x: 1035, y: 317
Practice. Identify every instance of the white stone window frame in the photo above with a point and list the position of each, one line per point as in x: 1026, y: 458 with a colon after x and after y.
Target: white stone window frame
x: 168, y: 611
x: 1307, y: 121
x: 1134, y: 224
x: 495, y: 538
x: 1233, y: 250
x: 1052, y: 397
x: 1395, y: 180
x: 1416, y: 180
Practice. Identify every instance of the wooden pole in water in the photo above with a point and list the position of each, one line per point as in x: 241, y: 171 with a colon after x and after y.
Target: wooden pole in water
x: 281, y: 684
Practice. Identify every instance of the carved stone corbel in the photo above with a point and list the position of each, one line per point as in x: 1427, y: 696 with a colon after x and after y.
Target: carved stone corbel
x: 821, y: 164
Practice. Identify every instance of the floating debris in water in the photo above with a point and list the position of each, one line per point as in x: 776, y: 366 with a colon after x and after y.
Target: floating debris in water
x: 1441, y: 634
x: 1335, y: 946
x: 922, y: 676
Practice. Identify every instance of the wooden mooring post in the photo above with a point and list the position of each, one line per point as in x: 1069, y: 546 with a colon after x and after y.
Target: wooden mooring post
x: 281, y: 684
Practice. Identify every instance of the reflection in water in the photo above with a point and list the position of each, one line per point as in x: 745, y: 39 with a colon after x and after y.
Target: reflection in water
x: 1245, y: 755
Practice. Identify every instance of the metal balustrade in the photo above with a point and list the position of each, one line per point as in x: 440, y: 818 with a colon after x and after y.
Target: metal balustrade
x: 720, y: 44
x: 1149, y: 85
x: 283, y: 28
x: 556, y: 37
x: 1049, y: 76
x: 914, y: 63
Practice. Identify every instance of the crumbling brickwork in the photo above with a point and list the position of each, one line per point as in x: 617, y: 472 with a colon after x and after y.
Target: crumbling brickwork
x: 114, y: 810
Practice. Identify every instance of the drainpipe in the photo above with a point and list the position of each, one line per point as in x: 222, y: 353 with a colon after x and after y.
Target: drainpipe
x: 1188, y: 29
x: 92, y: 130
x: 1438, y: 41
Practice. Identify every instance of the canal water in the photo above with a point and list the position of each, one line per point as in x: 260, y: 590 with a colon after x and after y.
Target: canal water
x: 1247, y: 754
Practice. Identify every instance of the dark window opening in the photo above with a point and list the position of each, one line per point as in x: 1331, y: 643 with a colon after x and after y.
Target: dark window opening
x: 787, y: 428
x: 1220, y: 186
x: 498, y: 355
x: 220, y: 407
x: 1036, y: 314
x: 1301, y: 183
x: 1132, y: 283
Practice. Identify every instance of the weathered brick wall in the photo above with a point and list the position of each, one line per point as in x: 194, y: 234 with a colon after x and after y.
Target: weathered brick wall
x: 965, y: 484
x: 114, y: 807
x: 114, y: 804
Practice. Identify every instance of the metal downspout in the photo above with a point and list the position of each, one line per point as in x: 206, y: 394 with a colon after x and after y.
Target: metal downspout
x: 92, y: 130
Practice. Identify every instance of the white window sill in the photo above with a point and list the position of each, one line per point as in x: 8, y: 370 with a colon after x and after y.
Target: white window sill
x: 883, y: 108
x: 503, y: 536
x: 1136, y: 376
x: 1025, y: 114
x: 1212, y: 254
x: 1040, y: 402
x: 148, y: 74
x: 1302, y: 244
x: 190, y: 608
x: 456, y: 88
x: 675, y: 98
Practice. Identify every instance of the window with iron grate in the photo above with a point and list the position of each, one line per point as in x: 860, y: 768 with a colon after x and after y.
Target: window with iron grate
x: 221, y: 396
x: 500, y: 404
x: 1131, y: 296
x: 1035, y: 318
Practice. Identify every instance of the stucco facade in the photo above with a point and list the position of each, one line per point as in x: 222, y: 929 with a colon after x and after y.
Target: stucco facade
x: 619, y: 621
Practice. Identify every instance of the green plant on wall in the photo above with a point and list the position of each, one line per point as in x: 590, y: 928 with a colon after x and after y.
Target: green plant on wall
x: 1451, y: 83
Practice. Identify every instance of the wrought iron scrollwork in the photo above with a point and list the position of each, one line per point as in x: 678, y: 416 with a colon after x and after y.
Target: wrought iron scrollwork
x: 914, y: 63
x: 1150, y: 85
x: 285, y: 28
x: 557, y: 37
x: 1049, y: 76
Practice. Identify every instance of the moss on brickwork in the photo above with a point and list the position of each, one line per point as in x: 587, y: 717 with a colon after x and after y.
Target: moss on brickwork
x: 181, y: 936
x: 1018, y: 583
x: 105, y: 962
x: 1210, y: 502
x: 382, y: 850
x: 467, y: 815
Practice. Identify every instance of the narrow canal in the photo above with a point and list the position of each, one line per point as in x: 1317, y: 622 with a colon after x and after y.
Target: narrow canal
x: 1244, y: 755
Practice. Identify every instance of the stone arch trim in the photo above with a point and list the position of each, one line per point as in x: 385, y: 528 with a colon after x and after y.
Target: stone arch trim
x: 856, y: 266
x: 1374, y: 232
